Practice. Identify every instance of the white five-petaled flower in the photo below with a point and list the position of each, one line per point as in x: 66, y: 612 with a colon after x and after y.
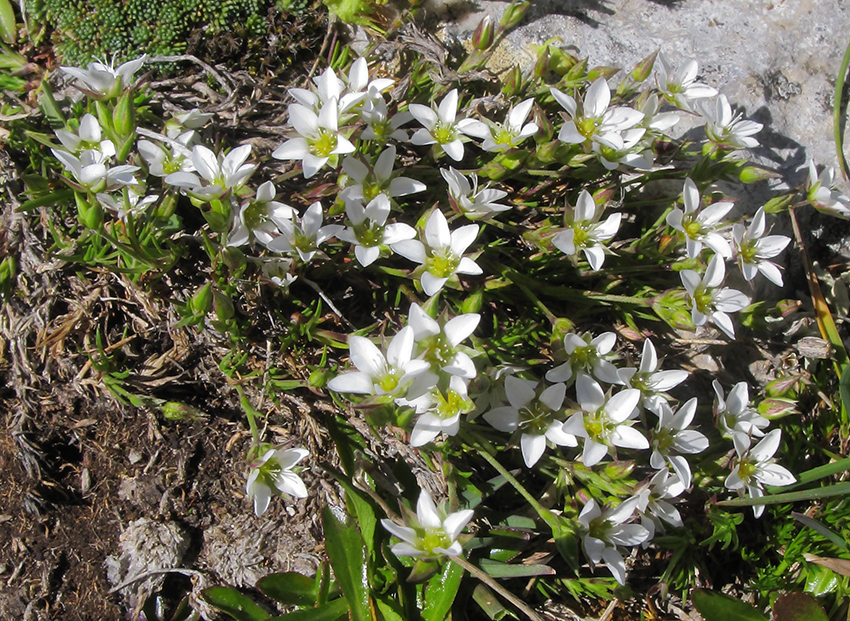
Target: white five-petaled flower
x: 655, y: 121
x: 710, y: 301
x: 278, y: 271
x: 753, y: 249
x: 260, y: 218
x: 672, y: 436
x: 440, y: 344
x: 162, y: 161
x: 440, y: 411
x: 679, y: 86
x: 823, y: 196
x: 377, y: 374
x: 432, y: 533
x: 87, y: 136
x: 734, y: 414
x: 595, y: 122
x: 536, y: 416
x: 102, y: 80
x: 725, y: 129
x: 441, y: 126
x: 91, y: 173
x: 304, y: 235
x: 648, y: 379
x: 369, y: 231
x: 378, y: 180
x: 468, y: 199
x: 380, y: 126
x: 700, y: 226
x: 586, y: 233
x: 318, y: 137
x: 501, y: 137
x: 441, y: 253
x: 216, y: 176
x: 273, y: 473
x: 605, y: 530
x: 129, y: 200
x: 653, y: 505
x: 587, y: 355
x: 635, y: 152
x: 756, y: 467
x: 347, y: 93
x: 604, y: 422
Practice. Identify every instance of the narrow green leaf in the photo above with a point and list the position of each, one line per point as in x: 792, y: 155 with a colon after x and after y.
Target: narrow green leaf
x: 491, y: 606
x: 290, y: 588
x: 333, y: 610
x: 441, y: 591
x: 836, y: 111
x: 348, y: 558
x: 821, y: 472
x: 798, y: 607
x: 498, y: 569
x: 360, y: 508
x: 8, y: 27
x: 715, y: 606
x: 821, y: 529
x: 838, y: 489
x: 232, y: 602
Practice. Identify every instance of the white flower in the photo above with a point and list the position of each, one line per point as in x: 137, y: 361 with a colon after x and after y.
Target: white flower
x: 822, y: 194
x: 604, y: 422
x: 162, y: 161
x: 440, y: 344
x: 217, y: 176
x: 680, y: 87
x: 595, y: 122
x: 725, y: 129
x: 501, y: 137
x: 378, y: 374
x: 587, y: 355
x: 88, y: 136
x: 346, y: 93
x: 537, y: 417
x: 653, y: 504
x: 278, y: 271
x: 176, y: 127
x: 102, y: 80
x: 467, y: 199
x: 272, y: 474
x: 432, y: 534
x: 607, y: 530
x: 672, y: 436
x: 369, y: 231
x: 711, y: 302
x: 634, y: 152
x: 648, y: 379
x: 439, y: 411
x: 441, y: 254
x: 586, y: 233
x: 699, y: 227
x: 734, y: 414
x: 127, y: 202
x: 755, y: 467
x: 318, y: 138
x: 304, y: 236
x: 379, y: 180
x: 380, y: 126
x: 91, y: 172
x: 261, y: 218
x: 441, y: 126
x: 753, y: 249
x: 655, y: 121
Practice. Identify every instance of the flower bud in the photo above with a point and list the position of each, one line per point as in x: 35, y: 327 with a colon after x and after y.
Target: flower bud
x: 202, y: 301
x: 89, y: 215
x: 513, y: 14
x: 124, y: 116
x: 642, y: 70
x: 174, y: 410
x: 512, y: 85
x: 778, y: 204
x: 542, y: 64
x: 484, y: 34
x: 223, y: 306
x: 754, y: 174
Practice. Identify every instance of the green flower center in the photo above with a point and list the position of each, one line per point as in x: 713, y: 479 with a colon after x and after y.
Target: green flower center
x: 371, y: 190
x: 443, y: 133
x: 370, y: 235
x: 534, y: 418
x: 254, y: 216
x: 746, y: 470
x: 324, y: 144
x: 703, y: 300
x: 748, y: 252
x: 439, y: 352
x: 663, y: 441
x: 504, y: 136
x: 598, y: 426
x: 692, y: 228
x: 388, y: 382
x: 442, y: 263
x: 453, y: 404
x: 580, y: 236
x: 433, y: 538
x: 587, y: 127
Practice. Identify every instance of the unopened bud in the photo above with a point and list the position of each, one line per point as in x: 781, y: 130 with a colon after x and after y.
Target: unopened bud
x: 89, y: 215
x: 542, y: 64
x: 202, y: 301
x: 124, y: 116
x: 754, y: 174
x: 223, y: 306
x: 512, y: 85
x: 642, y: 70
x: 484, y: 34
x: 513, y: 14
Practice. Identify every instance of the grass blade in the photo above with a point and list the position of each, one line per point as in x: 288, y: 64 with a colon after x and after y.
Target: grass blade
x: 837, y: 125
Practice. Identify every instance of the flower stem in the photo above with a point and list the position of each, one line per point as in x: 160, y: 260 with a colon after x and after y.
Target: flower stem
x: 490, y: 582
x: 251, y: 413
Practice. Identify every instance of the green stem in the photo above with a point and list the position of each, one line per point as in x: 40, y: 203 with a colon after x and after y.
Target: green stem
x: 251, y: 413
x: 515, y: 278
x: 544, y: 513
x: 836, y: 111
x: 490, y: 582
